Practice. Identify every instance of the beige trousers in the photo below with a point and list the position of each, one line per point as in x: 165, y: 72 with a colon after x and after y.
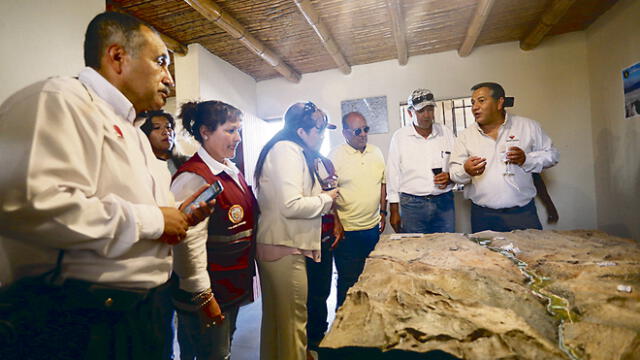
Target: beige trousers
x: 284, y: 308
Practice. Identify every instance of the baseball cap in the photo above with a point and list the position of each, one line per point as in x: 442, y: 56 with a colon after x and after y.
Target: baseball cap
x: 420, y: 98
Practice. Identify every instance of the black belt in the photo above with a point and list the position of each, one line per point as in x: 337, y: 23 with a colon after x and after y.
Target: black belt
x: 84, y: 294
x: 424, y: 196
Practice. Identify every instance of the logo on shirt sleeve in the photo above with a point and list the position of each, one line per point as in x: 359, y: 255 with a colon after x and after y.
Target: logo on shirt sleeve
x: 118, y: 131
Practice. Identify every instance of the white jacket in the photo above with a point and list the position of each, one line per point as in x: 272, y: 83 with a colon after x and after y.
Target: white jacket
x: 291, y: 207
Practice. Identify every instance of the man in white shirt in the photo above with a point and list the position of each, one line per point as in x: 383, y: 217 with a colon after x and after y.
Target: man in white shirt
x: 79, y: 197
x: 418, y: 185
x: 495, y: 157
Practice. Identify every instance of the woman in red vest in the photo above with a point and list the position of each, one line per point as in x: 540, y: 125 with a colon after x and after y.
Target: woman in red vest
x: 217, y: 257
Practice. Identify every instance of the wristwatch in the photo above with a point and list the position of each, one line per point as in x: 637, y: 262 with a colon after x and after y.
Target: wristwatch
x: 383, y: 212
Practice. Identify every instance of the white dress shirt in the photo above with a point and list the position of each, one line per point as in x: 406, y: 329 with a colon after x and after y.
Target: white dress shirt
x: 79, y: 176
x: 411, y: 158
x: 190, y: 256
x: 494, y: 189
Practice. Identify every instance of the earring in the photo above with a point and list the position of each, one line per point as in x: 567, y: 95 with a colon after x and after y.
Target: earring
x: 206, y: 138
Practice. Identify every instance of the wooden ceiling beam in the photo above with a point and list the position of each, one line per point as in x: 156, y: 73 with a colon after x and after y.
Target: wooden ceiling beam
x: 399, y: 30
x: 327, y: 40
x: 226, y: 22
x: 475, y: 27
x: 172, y: 44
x: 549, y: 18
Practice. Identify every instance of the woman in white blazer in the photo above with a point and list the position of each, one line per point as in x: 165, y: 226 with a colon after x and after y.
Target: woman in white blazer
x: 291, y: 203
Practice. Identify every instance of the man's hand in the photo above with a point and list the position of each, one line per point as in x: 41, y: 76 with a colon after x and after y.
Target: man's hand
x: 212, y: 315
x: 516, y: 156
x: 442, y: 180
x: 202, y: 211
x: 394, y: 218
x: 475, y: 165
x: 338, y: 232
x: 175, y: 225
x: 383, y: 222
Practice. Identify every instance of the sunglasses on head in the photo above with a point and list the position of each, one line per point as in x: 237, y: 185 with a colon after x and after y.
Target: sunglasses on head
x: 359, y: 131
x: 309, y: 109
x: 421, y: 98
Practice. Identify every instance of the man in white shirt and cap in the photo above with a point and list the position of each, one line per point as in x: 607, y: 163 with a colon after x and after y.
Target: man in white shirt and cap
x: 82, y: 209
x: 418, y: 184
x: 495, y: 158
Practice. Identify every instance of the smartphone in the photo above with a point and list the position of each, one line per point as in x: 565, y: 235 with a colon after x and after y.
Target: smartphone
x: 209, y: 194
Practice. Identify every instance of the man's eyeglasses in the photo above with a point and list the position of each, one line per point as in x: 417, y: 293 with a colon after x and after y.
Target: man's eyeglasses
x: 359, y: 131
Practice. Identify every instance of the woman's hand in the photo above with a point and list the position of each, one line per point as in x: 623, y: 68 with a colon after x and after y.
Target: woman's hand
x: 211, y: 313
x: 200, y: 211
x: 332, y: 193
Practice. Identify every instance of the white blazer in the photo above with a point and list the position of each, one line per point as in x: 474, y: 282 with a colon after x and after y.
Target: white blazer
x: 291, y: 207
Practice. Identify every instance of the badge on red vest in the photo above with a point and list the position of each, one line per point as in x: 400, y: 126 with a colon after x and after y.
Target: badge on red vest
x: 236, y: 213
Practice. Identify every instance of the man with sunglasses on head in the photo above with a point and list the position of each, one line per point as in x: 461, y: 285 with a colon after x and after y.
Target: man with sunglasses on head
x: 418, y: 185
x: 361, y: 206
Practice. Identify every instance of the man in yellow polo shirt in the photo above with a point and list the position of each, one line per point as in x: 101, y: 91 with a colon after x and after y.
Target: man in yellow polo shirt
x: 361, y: 206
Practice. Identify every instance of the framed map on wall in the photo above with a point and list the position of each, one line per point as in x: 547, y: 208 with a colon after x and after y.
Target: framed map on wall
x: 631, y: 88
x: 374, y: 110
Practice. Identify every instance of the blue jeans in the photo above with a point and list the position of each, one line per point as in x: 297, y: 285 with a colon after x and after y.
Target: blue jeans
x: 427, y: 214
x: 350, y: 255
x: 213, y: 343
x: 319, y: 288
x: 504, y: 220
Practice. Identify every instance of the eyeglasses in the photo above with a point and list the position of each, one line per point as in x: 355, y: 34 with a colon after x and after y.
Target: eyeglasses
x: 421, y: 98
x: 358, y: 131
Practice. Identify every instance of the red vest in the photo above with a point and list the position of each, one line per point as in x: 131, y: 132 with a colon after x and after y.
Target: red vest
x: 232, y: 231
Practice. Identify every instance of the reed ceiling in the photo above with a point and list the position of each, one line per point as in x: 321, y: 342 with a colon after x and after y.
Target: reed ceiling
x: 363, y: 30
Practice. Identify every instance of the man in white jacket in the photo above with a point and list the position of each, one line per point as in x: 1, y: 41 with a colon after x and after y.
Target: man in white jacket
x: 79, y: 196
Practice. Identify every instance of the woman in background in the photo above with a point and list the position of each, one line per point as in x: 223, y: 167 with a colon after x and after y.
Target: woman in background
x: 159, y: 126
x: 215, y: 263
x: 292, y: 203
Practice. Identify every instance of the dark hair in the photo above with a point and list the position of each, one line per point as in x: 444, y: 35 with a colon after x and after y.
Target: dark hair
x: 147, y: 126
x: 346, y: 116
x: 110, y: 28
x: 497, y: 91
x: 298, y: 116
x: 209, y: 114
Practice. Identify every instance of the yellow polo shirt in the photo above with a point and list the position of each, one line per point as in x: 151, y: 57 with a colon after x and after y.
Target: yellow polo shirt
x: 360, y: 176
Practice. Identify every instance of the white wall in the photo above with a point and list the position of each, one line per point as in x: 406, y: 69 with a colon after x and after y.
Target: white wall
x: 550, y: 85
x: 203, y: 76
x: 613, y: 43
x: 42, y: 38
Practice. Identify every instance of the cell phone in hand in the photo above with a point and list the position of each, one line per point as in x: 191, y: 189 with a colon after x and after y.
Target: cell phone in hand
x: 209, y: 194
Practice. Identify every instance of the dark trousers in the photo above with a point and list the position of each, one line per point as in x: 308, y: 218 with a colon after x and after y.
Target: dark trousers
x: 350, y: 256
x: 81, y: 320
x: 504, y: 220
x: 319, y: 287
